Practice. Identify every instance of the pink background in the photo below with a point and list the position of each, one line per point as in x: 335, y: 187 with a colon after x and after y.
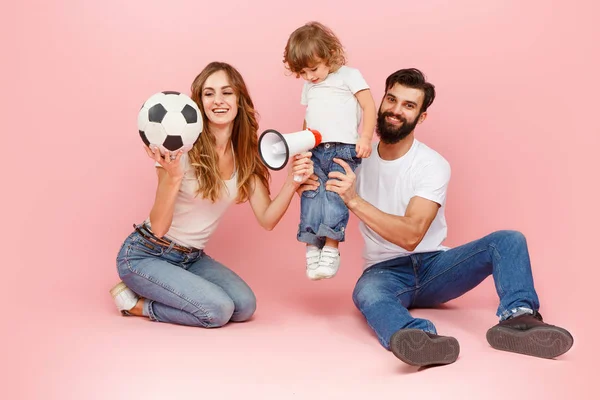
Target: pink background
x: 517, y: 95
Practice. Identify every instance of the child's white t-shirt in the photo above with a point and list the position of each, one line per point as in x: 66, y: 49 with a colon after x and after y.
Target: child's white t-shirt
x: 390, y: 185
x: 332, y: 107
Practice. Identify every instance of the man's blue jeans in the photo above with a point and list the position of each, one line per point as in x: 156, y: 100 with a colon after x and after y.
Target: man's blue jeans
x: 385, y: 291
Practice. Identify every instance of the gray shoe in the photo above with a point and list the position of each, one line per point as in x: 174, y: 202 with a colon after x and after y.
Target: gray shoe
x: 420, y: 348
x: 528, y: 334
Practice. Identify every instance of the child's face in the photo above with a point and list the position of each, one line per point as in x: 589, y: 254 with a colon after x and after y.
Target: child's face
x: 316, y: 73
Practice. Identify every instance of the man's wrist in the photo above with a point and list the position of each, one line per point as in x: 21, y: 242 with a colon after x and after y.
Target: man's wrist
x: 353, y: 203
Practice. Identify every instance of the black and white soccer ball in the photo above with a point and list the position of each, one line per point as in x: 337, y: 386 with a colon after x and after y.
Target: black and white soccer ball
x: 170, y: 121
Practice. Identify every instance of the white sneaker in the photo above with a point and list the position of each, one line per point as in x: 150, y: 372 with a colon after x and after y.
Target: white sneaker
x: 124, y: 298
x: 313, y: 254
x: 328, y: 263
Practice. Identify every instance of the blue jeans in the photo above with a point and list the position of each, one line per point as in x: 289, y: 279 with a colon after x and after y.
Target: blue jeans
x: 385, y: 291
x: 323, y: 214
x: 183, y: 288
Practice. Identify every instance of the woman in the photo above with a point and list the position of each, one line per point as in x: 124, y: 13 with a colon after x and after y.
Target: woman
x: 165, y: 273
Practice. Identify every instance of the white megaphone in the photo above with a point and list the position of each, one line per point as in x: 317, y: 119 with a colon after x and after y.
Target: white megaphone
x: 275, y: 149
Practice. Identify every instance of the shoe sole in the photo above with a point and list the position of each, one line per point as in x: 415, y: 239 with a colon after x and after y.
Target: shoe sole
x: 415, y: 347
x: 543, y: 341
x: 318, y: 276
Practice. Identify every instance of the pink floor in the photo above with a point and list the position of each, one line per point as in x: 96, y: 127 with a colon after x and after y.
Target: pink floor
x: 306, y: 341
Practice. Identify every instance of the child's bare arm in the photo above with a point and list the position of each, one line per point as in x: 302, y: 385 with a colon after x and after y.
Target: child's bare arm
x: 365, y: 99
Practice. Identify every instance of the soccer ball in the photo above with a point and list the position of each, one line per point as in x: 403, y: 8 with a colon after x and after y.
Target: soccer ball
x: 170, y: 121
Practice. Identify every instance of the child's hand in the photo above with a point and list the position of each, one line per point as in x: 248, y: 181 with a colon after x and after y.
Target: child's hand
x: 363, y: 148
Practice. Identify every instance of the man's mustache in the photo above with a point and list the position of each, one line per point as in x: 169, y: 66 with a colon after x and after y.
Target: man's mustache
x: 391, y: 114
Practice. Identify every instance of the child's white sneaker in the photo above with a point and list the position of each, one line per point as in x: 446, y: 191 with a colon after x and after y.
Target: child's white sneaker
x: 313, y: 255
x: 328, y: 263
x: 124, y: 298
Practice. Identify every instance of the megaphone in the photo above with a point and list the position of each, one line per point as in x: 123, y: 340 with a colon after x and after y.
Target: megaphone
x: 275, y: 149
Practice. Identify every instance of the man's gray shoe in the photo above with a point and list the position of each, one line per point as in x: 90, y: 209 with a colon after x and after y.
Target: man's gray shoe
x: 420, y: 348
x: 529, y: 334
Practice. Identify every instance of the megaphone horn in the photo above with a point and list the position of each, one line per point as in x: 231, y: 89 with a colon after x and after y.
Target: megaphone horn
x: 275, y: 149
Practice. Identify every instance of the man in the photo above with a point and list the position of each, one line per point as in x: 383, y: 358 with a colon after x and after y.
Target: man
x: 399, y: 196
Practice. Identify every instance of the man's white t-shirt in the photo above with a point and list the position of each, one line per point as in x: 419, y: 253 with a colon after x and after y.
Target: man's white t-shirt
x: 332, y: 107
x: 390, y: 185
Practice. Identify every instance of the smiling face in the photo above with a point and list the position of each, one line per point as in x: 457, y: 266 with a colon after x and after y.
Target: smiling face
x: 399, y: 113
x: 219, y: 99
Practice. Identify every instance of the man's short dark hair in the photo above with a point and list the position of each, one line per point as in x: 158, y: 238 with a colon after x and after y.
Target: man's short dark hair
x: 412, y: 78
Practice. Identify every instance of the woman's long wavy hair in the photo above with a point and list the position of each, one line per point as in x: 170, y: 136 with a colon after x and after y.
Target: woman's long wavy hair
x: 203, y: 156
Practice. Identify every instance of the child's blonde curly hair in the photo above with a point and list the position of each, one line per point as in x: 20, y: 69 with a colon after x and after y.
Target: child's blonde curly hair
x: 310, y: 44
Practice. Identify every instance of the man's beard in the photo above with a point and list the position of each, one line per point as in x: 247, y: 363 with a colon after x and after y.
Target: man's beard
x: 390, y: 134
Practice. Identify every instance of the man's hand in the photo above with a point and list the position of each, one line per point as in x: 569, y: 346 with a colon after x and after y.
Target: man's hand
x: 342, y: 184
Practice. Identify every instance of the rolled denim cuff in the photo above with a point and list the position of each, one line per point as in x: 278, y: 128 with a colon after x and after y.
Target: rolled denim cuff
x: 147, y: 310
x: 325, y: 231
x: 515, y: 312
x: 310, y: 238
